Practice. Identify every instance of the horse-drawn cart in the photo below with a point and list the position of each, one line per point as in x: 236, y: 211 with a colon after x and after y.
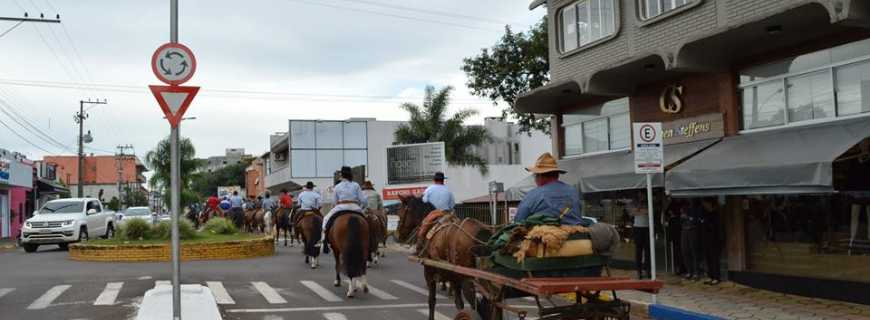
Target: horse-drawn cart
x: 492, y: 289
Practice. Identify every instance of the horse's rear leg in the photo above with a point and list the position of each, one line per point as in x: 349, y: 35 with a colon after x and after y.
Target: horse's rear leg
x: 433, y: 290
x: 337, y: 267
x: 456, y: 287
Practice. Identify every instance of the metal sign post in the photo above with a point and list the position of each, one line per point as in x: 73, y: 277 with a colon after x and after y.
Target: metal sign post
x: 175, y: 185
x: 649, y: 160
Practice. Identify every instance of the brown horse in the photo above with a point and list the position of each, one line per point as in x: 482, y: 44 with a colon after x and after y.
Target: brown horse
x: 310, y: 226
x: 281, y: 221
x: 443, y: 236
x: 254, y: 220
x: 348, y: 238
x: 377, y: 234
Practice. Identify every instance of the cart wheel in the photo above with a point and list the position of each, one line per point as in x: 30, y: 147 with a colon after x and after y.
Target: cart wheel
x: 467, y: 314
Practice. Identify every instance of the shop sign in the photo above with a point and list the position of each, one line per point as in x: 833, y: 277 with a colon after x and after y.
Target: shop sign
x: 671, y: 99
x: 395, y: 193
x: 415, y: 163
x: 704, y: 127
x: 4, y: 171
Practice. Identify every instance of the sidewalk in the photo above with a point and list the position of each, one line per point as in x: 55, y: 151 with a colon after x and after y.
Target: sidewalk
x: 7, y: 245
x: 733, y: 301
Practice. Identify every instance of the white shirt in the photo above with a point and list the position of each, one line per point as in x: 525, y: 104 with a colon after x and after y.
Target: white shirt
x: 439, y: 196
x: 350, y: 191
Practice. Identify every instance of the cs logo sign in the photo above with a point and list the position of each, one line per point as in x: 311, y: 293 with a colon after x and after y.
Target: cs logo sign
x: 671, y: 100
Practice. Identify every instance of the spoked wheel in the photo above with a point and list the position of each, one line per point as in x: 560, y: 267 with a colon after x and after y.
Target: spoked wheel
x: 467, y: 314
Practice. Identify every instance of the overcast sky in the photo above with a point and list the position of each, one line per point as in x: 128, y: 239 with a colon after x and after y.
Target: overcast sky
x: 293, y: 59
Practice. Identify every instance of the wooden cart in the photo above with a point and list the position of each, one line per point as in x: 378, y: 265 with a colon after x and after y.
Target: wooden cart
x: 492, y: 289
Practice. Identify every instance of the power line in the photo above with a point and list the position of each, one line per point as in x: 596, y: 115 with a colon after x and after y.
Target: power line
x: 223, y: 92
x: 428, y: 11
x: 397, y: 16
x: 7, y: 109
x: 23, y: 138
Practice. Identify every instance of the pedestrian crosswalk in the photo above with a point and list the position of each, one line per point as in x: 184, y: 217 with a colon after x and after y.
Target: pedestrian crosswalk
x: 48, y: 297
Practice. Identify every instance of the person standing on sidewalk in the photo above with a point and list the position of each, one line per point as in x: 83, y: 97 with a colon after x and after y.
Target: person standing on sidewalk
x: 690, y: 239
x: 674, y: 228
x: 640, y: 232
x: 710, y: 240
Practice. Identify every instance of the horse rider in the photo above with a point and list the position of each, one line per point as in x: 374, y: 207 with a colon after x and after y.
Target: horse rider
x: 551, y: 197
x: 375, y: 203
x: 438, y: 195
x: 308, y: 199
x: 225, y: 206
x: 213, y: 203
x: 236, y: 209
x: 286, y: 200
x: 348, y: 197
x: 268, y: 204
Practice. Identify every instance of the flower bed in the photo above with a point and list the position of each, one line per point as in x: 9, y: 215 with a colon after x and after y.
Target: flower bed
x: 215, y: 247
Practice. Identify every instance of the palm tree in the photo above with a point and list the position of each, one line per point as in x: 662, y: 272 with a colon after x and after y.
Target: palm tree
x: 159, y: 162
x: 429, y: 123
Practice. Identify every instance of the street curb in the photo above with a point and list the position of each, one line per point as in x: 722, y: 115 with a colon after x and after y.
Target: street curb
x: 8, y: 247
x: 643, y: 307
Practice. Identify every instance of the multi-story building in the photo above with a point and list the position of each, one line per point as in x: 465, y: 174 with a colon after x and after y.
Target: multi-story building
x: 48, y: 184
x: 504, y: 148
x: 231, y: 156
x: 765, y: 111
x: 16, y: 184
x: 103, y: 175
x: 255, y: 176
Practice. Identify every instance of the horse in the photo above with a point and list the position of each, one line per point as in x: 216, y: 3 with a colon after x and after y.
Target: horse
x: 281, y: 221
x: 249, y: 219
x: 263, y: 221
x: 377, y: 233
x: 443, y: 236
x: 310, y: 226
x: 348, y: 238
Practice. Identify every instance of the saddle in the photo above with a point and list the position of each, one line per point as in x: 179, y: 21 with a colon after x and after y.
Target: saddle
x: 297, y: 216
x: 341, y: 213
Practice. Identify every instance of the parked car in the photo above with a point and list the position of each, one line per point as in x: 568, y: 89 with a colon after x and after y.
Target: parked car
x: 65, y: 221
x: 140, y: 213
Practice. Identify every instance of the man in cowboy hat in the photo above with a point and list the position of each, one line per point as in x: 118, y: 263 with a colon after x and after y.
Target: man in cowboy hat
x: 308, y: 199
x: 438, y: 195
x: 374, y: 198
x: 552, y: 197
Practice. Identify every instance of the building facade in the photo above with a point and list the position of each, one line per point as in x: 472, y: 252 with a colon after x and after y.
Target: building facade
x: 16, y: 183
x: 231, y: 156
x: 102, y: 174
x: 255, y: 177
x: 765, y: 112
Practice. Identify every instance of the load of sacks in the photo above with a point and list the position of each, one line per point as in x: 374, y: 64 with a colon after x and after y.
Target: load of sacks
x: 541, y: 246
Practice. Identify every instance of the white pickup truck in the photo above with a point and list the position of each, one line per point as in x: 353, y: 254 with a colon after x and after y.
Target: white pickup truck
x: 64, y: 221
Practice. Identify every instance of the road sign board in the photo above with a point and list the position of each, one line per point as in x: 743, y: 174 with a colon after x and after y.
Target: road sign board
x: 173, y: 63
x: 174, y: 101
x: 648, y: 153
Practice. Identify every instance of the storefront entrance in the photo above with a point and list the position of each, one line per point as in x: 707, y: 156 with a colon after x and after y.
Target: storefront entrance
x: 5, y: 218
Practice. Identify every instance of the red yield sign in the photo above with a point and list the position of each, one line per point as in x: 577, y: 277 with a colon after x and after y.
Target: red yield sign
x: 174, y: 101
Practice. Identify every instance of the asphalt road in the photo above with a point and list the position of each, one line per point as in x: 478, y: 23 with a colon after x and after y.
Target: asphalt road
x: 47, y: 285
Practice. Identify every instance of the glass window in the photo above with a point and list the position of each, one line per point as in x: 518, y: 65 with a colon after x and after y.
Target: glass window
x: 303, y: 163
x: 810, y: 97
x: 328, y: 162
x: 763, y: 105
x: 853, y: 88
x: 595, y: 135
x: 302, y: 134
x: 573, y: 145
x: 329, y: 135
x: 355, y: 135
x: 353, y: 158
x: 601, y: 128
x: 587, y: 21
x: 654, y: 8
x: 569, y: 28
x: 620, y: 131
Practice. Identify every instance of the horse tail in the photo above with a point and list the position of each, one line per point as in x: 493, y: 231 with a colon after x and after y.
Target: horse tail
x: 313, y: 227
x: 352, y: 256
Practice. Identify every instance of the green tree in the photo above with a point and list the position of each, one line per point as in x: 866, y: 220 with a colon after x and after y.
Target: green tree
x: 518, y: 63
x: 114, y: 204
x: 429, y: 123
x: 206, y: 183
x: 158, y: 162
x: 136, y: 198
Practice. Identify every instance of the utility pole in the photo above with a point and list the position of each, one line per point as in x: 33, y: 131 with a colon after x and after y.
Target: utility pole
x: 26, y: 18
x: 120, y: 157
x: 80, y: 119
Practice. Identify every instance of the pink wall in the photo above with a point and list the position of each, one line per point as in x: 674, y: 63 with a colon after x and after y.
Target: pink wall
x: 17, y: 201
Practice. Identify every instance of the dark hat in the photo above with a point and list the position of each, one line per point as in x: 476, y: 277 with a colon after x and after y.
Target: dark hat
x: 439, y: 176
x: 346, y: 171
x: 309, y: 185
x: 368, y: 186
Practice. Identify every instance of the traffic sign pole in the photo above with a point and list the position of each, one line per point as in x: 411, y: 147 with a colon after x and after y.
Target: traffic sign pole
x: 175, y: 184
x: 649, y: 160
x: 652, y: 231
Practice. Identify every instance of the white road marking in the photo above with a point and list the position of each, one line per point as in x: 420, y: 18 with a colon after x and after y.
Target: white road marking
x: 438, y: 315
x: 268, y: 292
x: 48, y: 297
x: 162, y: 283
x: 415, y: 288
x: 338, y: 308
x: 109, y: 294
x: 220, y: 293
x: 334, y: 316
x: 5, y: 291
x: 321, y: 291
x: 144, y: 278
x: 380, y: 294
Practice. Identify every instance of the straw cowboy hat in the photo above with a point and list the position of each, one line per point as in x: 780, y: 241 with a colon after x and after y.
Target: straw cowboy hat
x: 545, y: 164
x: 368, y: 186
